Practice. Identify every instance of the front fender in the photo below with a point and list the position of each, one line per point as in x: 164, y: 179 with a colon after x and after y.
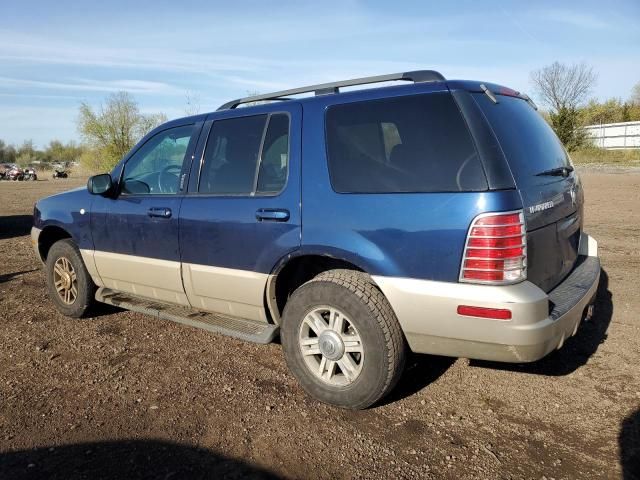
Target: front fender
x: 69, y: 211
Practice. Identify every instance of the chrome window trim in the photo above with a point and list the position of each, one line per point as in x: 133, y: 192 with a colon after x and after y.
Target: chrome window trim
x: 254, y: 193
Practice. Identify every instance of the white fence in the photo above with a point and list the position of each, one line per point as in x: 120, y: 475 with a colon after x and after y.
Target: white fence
x: 615, y: 135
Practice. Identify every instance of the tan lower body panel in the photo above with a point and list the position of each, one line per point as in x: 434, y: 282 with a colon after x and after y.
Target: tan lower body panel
x: 239, y: 293
x: 427, y: 313
x: 141, y: 276
x: 90, y: 264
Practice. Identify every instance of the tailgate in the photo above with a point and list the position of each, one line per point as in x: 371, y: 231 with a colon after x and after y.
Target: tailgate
x: 551, y: 193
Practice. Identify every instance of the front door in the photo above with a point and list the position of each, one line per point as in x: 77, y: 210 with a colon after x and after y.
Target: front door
x: 135, y: 233
x: 242, y: 213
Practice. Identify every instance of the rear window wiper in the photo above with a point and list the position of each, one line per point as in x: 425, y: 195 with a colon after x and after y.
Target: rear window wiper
x: 559, y: 171
x: 488, y: 93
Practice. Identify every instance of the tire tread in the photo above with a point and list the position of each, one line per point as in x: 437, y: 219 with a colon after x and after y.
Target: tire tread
x: 361, y: 284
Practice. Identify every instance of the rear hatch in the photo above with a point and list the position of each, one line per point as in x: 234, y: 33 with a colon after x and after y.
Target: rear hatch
x: 551, y: 193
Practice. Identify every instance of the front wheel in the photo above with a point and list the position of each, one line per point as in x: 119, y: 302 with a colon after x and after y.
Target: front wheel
x: 342, y: 340
x: 68, y: 281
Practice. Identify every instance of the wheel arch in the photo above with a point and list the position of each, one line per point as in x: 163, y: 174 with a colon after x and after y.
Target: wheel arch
x: 50, y: 235
x: 295, y: 270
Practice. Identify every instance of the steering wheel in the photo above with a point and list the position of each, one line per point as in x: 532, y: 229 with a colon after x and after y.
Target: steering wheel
x: 168, y: 181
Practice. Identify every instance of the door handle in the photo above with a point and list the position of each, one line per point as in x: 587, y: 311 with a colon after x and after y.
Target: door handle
x: 272, y: 215
x: 161, y: 212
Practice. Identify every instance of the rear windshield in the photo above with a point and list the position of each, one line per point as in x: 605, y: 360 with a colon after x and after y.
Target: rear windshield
x: 417, y: 143
x: 529, y: 143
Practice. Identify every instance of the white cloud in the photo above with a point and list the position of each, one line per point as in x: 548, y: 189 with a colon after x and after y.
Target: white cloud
x: 83, y: 84
x: 575, y: 18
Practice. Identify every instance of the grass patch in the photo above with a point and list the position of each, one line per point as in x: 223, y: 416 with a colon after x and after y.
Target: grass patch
x: 600, y: 156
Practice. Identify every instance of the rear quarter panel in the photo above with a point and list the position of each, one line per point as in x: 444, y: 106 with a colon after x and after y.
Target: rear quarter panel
x: 401, y: 235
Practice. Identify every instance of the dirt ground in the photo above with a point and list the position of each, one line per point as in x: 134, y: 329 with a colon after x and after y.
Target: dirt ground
x: 121, y: 395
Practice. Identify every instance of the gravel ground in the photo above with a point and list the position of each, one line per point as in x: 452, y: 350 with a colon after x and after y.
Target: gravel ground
x: 123, y: 395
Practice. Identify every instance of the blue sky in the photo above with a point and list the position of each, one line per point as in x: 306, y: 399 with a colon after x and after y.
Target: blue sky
x: 54, y: 55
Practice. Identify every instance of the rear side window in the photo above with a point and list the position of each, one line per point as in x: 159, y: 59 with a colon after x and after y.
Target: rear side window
x: 246, y: 155
x: 405, y: 144
x: 274, y: 161
x: 529, y: 143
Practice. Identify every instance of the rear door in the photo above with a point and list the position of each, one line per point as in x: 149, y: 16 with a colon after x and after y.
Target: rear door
x: 551, y: 193
x: 242, y: 214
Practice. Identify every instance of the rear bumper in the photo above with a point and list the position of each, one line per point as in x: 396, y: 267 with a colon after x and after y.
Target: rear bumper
x: 540, y: 322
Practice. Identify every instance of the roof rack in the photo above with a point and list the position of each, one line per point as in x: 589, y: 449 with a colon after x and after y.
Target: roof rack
x: 334, y: 87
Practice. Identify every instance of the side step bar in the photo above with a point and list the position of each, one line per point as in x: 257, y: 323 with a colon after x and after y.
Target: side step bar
x: 243, y: 329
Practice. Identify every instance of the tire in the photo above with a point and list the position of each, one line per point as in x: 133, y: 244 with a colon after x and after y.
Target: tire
x: 65, y: 252
x: 367, y: 316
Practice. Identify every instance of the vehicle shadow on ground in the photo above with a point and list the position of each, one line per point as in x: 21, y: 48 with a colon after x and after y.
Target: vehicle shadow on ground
x: 629, y: 441
x: 5, y: 277
x: 99, y: 309
x: 127, y: 459
x: 420, y: 371
x: 578, y: 349
x: 15, y: 226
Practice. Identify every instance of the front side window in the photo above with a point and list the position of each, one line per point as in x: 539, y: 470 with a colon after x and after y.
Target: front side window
x: 246, y: 156
x: 155, y: 168
x: 418, y: 143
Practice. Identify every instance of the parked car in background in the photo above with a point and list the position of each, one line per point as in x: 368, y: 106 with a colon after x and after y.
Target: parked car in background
x: 440, y: 216
x: 15, y: 173
x: 30, y: 174
x: 4, y: 169
x: 9, y: 171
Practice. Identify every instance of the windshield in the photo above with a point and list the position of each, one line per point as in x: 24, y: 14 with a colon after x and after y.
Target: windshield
x: 529, y: 143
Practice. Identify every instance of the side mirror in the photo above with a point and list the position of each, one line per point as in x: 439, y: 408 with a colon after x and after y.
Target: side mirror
x: 100, y: 184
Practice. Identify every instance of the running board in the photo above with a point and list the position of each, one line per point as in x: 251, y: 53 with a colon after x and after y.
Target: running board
x: 243, y: 329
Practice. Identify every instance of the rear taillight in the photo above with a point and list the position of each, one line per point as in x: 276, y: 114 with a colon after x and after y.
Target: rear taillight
x: 496, y: 249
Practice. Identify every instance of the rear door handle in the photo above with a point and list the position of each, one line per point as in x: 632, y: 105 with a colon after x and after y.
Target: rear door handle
x: 272, y: 215
x: 161, y: 212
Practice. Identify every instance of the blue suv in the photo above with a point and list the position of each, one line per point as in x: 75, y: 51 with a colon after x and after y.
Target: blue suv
x: 431, y: 216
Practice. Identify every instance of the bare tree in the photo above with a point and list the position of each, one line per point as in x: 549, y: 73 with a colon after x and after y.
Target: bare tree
x: 562, y: 86
x: 193, y: 103
x: 253, y: 93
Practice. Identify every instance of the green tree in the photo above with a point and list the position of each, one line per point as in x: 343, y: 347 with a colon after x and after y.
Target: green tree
x: 113, y: 129
x: 596, y: 112
x: 635, y: 94
x: 27, y: 153
x: 58, y: 152
x: 610, y: 111
x: 566, y: 123
x: 563, y: 89
x: 7, y: 153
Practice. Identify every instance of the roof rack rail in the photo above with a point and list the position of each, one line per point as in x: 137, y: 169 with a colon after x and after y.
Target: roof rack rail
x: 334, y: 87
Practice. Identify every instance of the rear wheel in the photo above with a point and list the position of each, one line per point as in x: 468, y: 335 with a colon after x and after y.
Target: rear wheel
x: 69, y: 284
x: 342, y: 340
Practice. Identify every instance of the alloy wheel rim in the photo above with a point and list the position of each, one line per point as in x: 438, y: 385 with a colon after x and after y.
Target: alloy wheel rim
x: 331, y: 346
x: 65, y: 280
